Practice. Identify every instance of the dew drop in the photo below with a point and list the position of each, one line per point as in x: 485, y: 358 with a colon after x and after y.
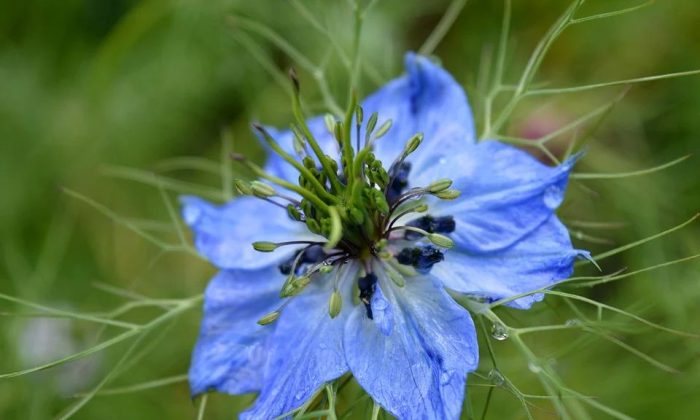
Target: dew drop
x: 299, y: 395
x: 499, y: 331
x: 572, y: 322
x: 445, y: 377
x: 379, y: 304
x: 191, y: 214
x: 534, y: 367
x: 553, y: 196
x: 496, y: 377
x: 442, y: 160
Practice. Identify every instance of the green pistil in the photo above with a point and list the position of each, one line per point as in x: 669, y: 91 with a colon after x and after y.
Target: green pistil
x: 298, y: 166
x: 348, y: 151
x: 301, y: 121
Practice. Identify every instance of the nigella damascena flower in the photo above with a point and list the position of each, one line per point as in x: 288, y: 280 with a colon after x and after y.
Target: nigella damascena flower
x: 386, y: 210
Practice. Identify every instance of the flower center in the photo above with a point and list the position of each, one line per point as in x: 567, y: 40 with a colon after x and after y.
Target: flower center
x: 355, y: 203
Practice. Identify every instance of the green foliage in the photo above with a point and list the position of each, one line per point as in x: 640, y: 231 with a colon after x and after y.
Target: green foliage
x: 111, y: 109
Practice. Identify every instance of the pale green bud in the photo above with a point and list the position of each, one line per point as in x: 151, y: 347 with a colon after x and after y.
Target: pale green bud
x: 325, y: 269
x: 338, y: 131
x: 383, y: 129
x: 385, y: 255
x: 302, y: 281
x: 263, y: 246
x: 330, y: 123
x: 421, y: 208
x: 298, y: 145
x: 359, y: 115
x: 294, y: 285
x: 242, y: 187
x: 269, y: 318
x: 372, y: 122
x: 439, y: 185
x: 441, y: 240
x: 448, y: 194
x: 413, y: 144
x: 262, y: 190
x: 335, y: 304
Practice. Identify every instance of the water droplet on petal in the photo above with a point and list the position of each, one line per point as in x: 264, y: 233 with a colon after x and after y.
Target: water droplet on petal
x: 379, y: 303
x: 446, y: 377
x: 553, y: 196
x: 496, y: 377
x: 442, y: 160
x: 299, y: 395
x: 383, y: 314
x: 499, y: 331
x: 191, y: 214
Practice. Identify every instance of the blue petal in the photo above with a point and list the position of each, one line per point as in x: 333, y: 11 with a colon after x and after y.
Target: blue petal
x: 538, y: 260
x: 418, y: 371
x: 231, y: 351
x: 305, y: 350
x: 426, y: 100
x: 224, y: 234
x: 506, y: 194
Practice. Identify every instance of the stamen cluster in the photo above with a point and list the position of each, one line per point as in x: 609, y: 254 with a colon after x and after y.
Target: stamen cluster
x: 354, y: 202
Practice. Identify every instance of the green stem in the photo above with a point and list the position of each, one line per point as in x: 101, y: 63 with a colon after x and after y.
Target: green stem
x: 298, y: 114
x: 348, y: 151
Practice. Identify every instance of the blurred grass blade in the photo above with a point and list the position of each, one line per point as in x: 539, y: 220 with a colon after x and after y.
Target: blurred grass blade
x: 631, y: 245
x: 629, y: 174
x: 613, y: 13
x: 583, y: 88
x: 441, y: 29
x: 155, y: 180
x: 67, y: 314
x: 157, y: 383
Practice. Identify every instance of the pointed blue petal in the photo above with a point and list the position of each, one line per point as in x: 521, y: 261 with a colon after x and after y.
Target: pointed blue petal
x: 231, y: 350
x: 428, y: 100
x: 506, y: 194
x: 538, y: 260
x: 224, y: 234
x: 305, y: 350
x: 418, y: 371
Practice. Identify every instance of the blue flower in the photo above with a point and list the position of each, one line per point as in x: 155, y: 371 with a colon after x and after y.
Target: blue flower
x: 385, y: 239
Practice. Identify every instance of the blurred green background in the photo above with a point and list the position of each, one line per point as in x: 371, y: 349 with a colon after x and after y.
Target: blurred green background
x: 94, y: 94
